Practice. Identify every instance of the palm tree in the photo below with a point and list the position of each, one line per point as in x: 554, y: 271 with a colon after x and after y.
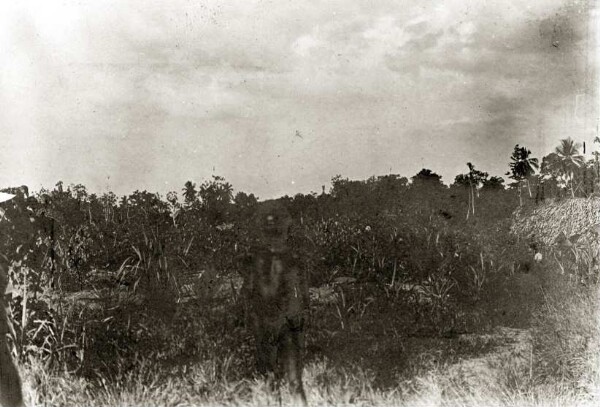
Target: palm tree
x: 568, y: 153
x: 522, y: 167
x: 569, y: 159
x: 189, y: 193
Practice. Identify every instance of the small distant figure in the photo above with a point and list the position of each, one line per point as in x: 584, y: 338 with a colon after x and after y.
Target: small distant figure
x: 276, y: 293
x: 538, y: 258
x: 10, y: 382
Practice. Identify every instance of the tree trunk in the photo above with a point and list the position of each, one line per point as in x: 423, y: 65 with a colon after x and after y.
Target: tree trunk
x: 468, y: 205
x: 571, y: 184
x: 473, y: 199
x: 469, y: 200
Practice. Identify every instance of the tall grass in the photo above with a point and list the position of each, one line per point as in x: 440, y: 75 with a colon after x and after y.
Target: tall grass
x: 563, y: 369
x: 327, y: 386
x: 567, y: 333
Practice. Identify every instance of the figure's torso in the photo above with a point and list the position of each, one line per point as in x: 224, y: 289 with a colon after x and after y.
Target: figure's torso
x: 276, y: 287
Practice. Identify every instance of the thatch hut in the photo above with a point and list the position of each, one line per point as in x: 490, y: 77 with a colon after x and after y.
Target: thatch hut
x: 562, y: 222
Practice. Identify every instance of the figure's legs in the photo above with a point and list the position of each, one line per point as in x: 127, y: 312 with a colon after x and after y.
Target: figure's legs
x: 266, y: 352
x: 290, y: 358
x: 266, y: 357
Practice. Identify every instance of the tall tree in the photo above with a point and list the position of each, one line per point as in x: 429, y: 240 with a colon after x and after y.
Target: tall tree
x: 493, y: 184
x: 174, y: 206
x: 189, y: 193
x: 426, y: 177
x: 563, y: 164
x: 473, y: 179
x: 596, y: 153
x: 216, y: 196
x: 568, y: 154
x: 522, y: 166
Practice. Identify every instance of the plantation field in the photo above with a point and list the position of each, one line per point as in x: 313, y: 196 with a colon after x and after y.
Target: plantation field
x: 139, y: 301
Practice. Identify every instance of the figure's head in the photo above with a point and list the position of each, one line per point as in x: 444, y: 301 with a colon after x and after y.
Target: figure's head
x: 273, y: 222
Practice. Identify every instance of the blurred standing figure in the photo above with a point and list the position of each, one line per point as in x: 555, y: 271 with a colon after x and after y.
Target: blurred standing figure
x: 276, y: 294
x: 10, y: 382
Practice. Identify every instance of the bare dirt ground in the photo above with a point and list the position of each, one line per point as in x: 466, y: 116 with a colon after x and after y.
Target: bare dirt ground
x: 511, y: 350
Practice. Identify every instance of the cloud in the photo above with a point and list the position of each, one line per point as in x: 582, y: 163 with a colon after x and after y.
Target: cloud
x: 304, y: 44
x: 143, y: 91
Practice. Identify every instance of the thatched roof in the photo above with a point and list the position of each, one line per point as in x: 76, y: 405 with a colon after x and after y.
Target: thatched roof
x: 576, y: 219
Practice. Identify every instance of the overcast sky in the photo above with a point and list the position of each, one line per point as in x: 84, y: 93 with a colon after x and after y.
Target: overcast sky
x: 280, y: 96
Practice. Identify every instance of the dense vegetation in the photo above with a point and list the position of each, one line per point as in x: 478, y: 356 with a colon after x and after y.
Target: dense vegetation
x: 142, y: 291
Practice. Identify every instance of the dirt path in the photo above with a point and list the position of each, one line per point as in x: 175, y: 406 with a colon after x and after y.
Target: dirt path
x: 512, y: 352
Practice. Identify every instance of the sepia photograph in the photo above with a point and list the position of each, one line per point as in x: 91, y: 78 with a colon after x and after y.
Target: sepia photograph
x: 319, y: 203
